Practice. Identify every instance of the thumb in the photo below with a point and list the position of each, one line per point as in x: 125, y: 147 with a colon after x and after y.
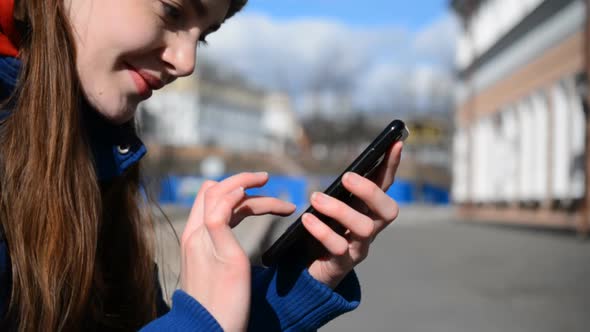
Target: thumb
x: 195, y: 218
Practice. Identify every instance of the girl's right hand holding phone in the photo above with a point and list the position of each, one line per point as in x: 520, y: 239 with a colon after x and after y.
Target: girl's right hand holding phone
x: 215, y: 270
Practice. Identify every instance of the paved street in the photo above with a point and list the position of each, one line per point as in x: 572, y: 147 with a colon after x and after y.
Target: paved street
x: 430, y: 273
x: 446, y: 276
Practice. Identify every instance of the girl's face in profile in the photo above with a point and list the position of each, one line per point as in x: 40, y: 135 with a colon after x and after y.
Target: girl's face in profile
x: 128, y: 48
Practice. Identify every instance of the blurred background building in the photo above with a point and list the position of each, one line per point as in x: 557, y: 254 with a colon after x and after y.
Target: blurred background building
x: 216, y: 115
x: 513, y: 150
x: 218, y: 122
x: 217, y: 109
x: 521, y: 140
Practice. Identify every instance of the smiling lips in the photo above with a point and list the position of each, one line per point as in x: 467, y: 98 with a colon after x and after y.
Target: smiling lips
x: 144, y: 81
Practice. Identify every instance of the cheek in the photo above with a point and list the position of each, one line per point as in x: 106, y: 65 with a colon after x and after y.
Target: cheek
x: 100, y: 63
x: 132, y: 30
x: 104, y: 41
x: 112, y: 28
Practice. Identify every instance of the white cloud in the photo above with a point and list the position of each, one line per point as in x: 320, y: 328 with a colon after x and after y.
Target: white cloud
x: 437, y: 41
x: 380, y: 85
x: 376, y: 67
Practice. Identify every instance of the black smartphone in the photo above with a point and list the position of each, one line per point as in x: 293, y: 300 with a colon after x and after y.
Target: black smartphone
x: 296, y: 242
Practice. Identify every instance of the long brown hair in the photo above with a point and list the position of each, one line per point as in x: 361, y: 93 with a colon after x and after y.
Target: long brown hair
x: 78, y: 249
x: 81, y: 251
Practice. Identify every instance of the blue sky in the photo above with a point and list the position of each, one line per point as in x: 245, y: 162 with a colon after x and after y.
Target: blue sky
x: 412, y: 15
x: 375, y: 54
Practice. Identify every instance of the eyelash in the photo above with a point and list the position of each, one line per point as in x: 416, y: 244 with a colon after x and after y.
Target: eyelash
x: 172, y: 12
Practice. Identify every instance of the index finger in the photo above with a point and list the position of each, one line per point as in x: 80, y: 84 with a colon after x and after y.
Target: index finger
x: 245, y: 180
x: 241, y: 180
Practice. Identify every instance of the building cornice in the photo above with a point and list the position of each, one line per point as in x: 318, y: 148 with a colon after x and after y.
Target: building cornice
x: 542, y: 13
x: 465, y: 7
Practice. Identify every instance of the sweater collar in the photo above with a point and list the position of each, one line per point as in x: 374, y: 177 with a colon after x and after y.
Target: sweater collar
x: 8, y: 36
x: 115, y: 148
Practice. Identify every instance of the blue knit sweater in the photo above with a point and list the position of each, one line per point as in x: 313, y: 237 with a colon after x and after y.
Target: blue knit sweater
x: 285, y: 298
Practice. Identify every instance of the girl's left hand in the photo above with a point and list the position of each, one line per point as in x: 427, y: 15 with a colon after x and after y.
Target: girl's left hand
x: 363, y: 221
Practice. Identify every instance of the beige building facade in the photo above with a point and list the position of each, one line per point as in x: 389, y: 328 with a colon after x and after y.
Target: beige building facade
x: 521, y: 144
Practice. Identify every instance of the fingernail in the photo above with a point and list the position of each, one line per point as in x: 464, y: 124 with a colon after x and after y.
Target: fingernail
x: 352, y: 178
x: 262, y: 173
x: 318, y: 197
x: 238, y: 191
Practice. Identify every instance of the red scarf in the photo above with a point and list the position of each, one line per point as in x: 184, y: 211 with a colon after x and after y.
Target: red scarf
x: 8, y: 35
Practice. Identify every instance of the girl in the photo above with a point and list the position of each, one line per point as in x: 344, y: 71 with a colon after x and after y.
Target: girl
x: 76, y: 249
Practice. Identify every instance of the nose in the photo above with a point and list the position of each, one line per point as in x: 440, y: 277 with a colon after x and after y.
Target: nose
x: 180, y: 55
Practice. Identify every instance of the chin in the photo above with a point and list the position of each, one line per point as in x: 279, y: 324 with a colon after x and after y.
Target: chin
x: 116, y: 113
x: 119, y: 116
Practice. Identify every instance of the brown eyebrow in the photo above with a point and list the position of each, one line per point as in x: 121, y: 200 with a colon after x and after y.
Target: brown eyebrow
x: 202, y: 10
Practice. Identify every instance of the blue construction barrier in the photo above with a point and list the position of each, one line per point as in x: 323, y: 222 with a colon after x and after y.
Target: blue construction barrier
x: 403, y: 192
x: 435, y: 195
x: 182, y: 190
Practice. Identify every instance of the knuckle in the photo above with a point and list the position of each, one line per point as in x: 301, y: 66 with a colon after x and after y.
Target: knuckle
x: 208, y: 184
x: 228, y: 202
x: 363, y: 227
x: 368, y: 228
x: 392, y: 212
x: 341, y: 249
x: 214, y: 221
